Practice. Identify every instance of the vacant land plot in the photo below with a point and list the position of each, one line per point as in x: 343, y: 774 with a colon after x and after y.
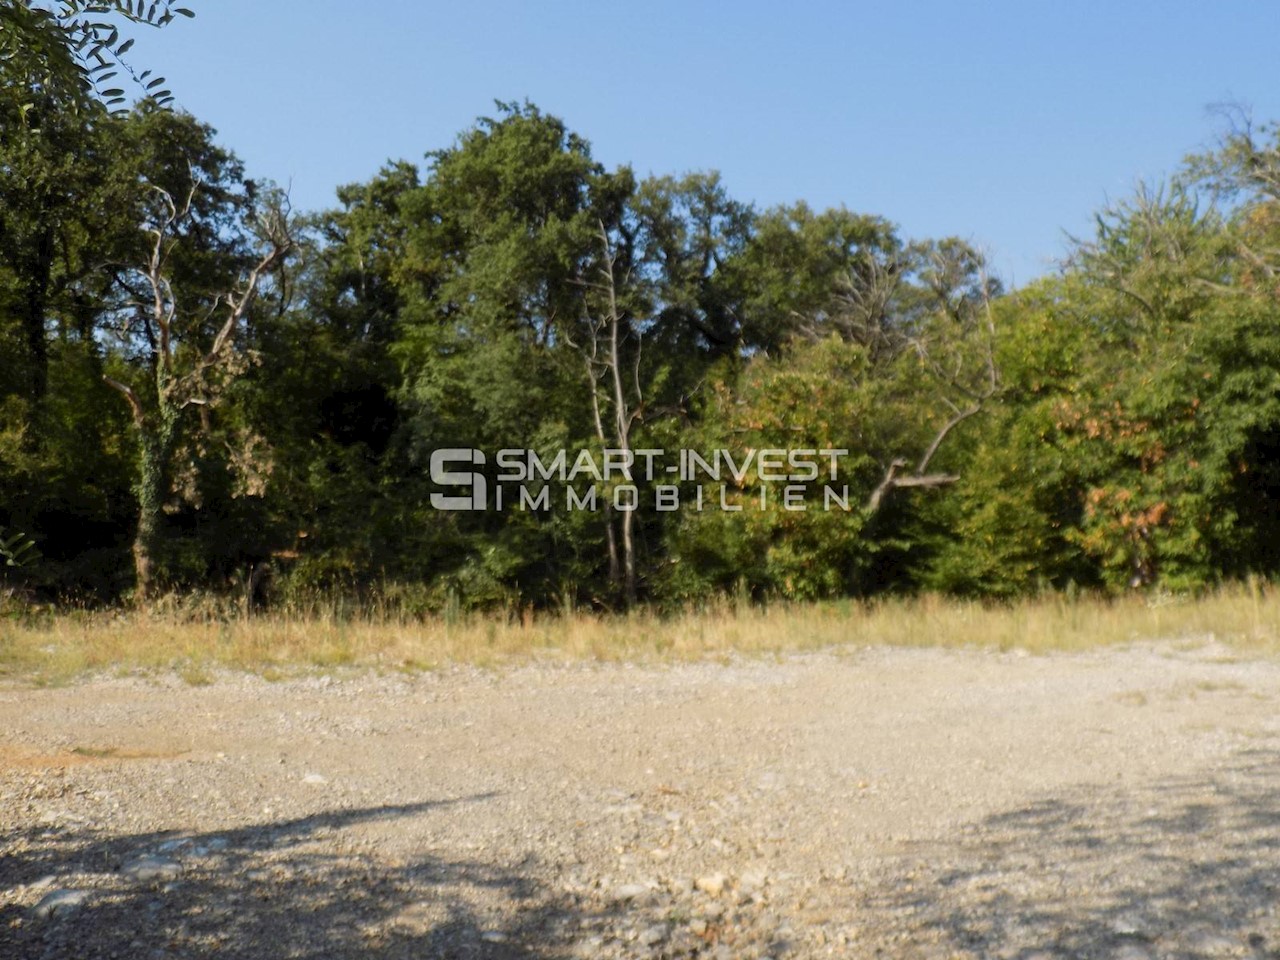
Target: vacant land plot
x: 875, y: 802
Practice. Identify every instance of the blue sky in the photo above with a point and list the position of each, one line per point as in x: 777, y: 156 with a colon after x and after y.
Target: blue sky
x: 1004, y: 123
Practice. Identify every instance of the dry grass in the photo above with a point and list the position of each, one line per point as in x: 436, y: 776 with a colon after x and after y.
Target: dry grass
x: 53, y: 648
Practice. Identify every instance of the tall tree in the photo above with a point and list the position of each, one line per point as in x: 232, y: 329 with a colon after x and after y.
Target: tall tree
x: 609, y: 341
x: 496, y: 241
x: 184, y: 303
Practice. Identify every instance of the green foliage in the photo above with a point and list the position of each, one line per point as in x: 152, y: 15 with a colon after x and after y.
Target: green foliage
x: 75, y: 52
x: 1115, y: 426
x: 16, y: 550
x: 813, y: 400
x: 1136, y: 444
x: 1003, y: 531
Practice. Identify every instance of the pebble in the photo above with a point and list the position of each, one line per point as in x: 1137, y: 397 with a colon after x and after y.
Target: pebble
x: 152, y: 868
x: 629, y: 891
x: 59, y: 902
x: 712, y: 884
x: 653, y: 935
x: 712, y: 911
x: 1127, y: 926
x: 1210, y: 944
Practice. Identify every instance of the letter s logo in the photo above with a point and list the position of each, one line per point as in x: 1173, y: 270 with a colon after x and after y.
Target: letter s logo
x: 440, y: 459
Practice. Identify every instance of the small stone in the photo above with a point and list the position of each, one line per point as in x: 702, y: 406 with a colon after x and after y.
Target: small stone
x: 629, y: 891
x: 1131, y: 951
x: 653, y: 935
x: 152, y: 868
x: 712, y: 884
x: 315, y: 779
x: 712, y: 911
x: 493, y: 936
x: 1127, y: 925
x: 1211, y: 944
x: 59, y: 902
x: 753, y: 881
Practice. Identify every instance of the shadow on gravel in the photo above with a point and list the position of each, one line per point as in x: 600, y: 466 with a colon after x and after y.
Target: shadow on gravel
x: 290, y: 889
x: 1181, y: 869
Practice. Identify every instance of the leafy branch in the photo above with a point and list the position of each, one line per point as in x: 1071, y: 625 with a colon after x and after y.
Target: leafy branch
x: 76, y: 48
x: 16, y: 550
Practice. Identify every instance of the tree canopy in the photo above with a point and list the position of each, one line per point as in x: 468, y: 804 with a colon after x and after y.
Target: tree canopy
x: 202, y: 390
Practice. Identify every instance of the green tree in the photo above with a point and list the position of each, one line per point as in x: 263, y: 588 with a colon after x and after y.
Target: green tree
x: 889, y: 352
x: 1134, y: 444
x: 66, y: 201
x: 185, y: 298
x: 496, y: 244
x: 344, y: 496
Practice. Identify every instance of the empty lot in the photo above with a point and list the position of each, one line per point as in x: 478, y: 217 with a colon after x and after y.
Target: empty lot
x: 876, y: 802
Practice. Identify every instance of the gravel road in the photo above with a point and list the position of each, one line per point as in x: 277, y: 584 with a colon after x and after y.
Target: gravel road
x: 861, y: 803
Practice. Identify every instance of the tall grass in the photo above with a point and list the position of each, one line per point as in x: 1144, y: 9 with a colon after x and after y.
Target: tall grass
x: 197, y: 640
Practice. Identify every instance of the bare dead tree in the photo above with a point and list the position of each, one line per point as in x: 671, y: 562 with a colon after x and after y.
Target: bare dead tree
x: 614, y: 383
x: 861, y: 307
x: 961, y: 361
x: 184, y: 374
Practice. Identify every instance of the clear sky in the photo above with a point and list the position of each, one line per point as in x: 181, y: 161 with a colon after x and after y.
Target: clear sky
x: 1005, y: 123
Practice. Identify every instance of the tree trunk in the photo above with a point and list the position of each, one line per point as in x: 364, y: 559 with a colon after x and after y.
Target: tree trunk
x: 152, y: 488
x: 35, y: 298
x: 611, y: 540
x: 629, y: 558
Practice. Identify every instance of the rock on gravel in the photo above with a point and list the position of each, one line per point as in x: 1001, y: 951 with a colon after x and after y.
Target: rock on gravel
x: 712, y: 884
x: 59, y: 903
x: 152, y: 867
x: 629, y: 891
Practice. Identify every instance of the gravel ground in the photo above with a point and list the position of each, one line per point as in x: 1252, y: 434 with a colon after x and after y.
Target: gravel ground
x: 870, y: 803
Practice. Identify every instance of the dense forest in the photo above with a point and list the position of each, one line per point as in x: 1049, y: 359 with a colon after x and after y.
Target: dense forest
x: 204, y: 390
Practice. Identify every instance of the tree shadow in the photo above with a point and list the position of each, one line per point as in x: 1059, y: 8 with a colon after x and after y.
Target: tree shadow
x: 301, y: 889
x: 1183, y: 868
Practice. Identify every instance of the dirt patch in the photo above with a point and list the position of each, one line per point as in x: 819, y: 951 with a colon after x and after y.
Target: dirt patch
x: 20, y: 758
